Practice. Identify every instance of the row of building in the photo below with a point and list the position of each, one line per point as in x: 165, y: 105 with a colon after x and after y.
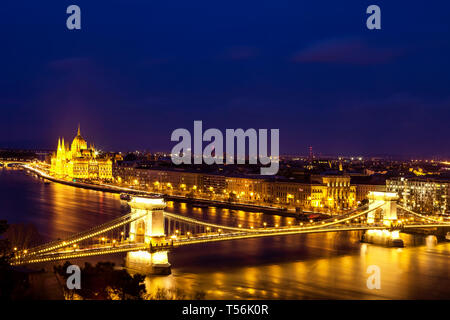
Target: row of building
x: 424, y: 195
x: 336, y: 191
x: 322, y: 191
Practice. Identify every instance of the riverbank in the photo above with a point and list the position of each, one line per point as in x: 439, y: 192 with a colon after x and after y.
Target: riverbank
x: 208, y: 202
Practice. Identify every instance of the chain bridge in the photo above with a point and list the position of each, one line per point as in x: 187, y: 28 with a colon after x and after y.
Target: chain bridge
x: 148, y: 232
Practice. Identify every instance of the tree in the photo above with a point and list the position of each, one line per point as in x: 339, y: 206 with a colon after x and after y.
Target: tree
x: 4, y: 244
x: 23, y: 236
x: 105, y: 282
x: 13, y: 284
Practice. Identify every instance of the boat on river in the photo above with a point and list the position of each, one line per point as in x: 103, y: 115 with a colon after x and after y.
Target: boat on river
x: 125, y: 196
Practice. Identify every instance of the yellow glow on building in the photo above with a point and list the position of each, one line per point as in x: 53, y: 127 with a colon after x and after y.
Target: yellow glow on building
x: 79, y: 161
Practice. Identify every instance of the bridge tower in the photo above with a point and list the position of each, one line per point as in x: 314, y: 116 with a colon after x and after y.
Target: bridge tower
x: 149, y: 230
x: 388, y: 202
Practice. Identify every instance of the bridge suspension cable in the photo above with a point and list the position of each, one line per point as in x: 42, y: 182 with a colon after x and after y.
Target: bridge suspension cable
x: 205, y: 224
x: 325, y: 223
x: 123, y: 220
x: 422, y: 216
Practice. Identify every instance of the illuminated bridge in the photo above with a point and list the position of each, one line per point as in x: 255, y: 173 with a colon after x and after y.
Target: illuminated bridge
x: 11, y: 163
x: 147, y: 233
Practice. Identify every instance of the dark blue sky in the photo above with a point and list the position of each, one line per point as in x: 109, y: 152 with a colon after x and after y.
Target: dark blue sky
x: 140, y: 69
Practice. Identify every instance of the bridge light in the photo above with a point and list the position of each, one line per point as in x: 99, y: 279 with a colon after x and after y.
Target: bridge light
x: 310, y: 221
x: 276, y: 226
x: 25, y: 251
x: 15, y: 248
x: 220, y: 230
x: 251, y: 227
x: 176, y: 231
x: 265, y: 224
x: 240, y: 226
x: 301, y: 223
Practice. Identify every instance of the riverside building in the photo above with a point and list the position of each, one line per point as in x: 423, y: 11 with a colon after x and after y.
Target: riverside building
x: 80, y: 162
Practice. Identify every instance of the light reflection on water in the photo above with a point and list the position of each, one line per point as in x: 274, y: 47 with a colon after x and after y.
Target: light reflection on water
x: 315, y: 266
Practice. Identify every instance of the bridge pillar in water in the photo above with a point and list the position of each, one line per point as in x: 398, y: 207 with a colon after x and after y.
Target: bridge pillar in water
x: 387, y: 203
x: 148, y: 229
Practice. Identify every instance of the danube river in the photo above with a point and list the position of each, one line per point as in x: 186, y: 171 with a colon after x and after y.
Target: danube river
x: 315, y: 266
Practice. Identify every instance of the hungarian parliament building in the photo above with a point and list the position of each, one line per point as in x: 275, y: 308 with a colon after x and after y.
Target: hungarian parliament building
x: 79, y: 161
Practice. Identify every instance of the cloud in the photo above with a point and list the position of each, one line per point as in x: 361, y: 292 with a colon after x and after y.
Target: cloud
x: 346, y: 51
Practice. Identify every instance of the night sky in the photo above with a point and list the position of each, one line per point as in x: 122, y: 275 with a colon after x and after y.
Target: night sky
x: 137, y: 70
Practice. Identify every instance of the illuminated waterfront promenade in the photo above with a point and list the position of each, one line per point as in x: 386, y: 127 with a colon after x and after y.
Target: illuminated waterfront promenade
x: 43, y: 172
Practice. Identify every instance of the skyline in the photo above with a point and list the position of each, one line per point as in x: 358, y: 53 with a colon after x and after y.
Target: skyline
x: 132, y: 75
x: 306, y: 154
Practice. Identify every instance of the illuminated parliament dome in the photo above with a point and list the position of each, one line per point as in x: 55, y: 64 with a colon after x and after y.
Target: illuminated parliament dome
x: 80, y: 162
x: 78, y: 143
